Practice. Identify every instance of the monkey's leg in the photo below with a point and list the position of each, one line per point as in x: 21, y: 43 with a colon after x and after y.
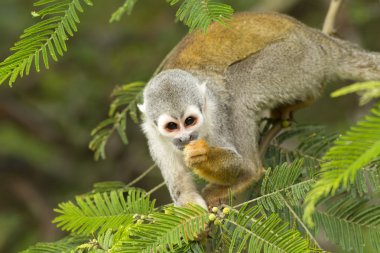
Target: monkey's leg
x: 281, y: 114
x: 216, y: 194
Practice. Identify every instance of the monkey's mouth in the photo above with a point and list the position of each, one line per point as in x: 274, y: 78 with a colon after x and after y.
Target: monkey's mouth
x: 180, y: 147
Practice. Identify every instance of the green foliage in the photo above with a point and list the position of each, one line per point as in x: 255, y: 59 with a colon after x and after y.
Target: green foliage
x: 127, y: 7
x: 114, y: 222
x: 351, y: 152
x: 200, y: 14
x: 367, y: 91
x: 68, y: 244
x: 253, y: 231
x: 46, y: 39
x: 348, y: 214
x: 284, y: 181
x: 177, y: 226
x: 102, y: 211
x: 125, y: 102
x: 312, y: 143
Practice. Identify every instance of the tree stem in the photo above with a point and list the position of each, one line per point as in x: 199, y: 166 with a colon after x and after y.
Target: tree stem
x: 329, y: 24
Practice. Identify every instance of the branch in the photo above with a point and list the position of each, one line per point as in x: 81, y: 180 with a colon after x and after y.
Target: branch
x: 329, y: 24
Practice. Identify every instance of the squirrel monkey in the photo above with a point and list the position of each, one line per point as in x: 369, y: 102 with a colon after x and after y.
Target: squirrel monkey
x: 201, y: 112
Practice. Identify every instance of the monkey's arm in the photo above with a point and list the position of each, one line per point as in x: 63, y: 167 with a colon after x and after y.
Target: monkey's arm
x: 224, y: 168
x: 218, y: 165
x: 215, y: 164
x: 178, y: 178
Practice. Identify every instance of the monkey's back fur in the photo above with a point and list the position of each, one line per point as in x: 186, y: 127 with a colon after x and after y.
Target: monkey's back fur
x: 279, y: 58
x: 222, y: 45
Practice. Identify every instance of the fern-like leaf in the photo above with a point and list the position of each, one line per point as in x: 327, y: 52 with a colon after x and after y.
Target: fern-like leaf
x: 311, y: 141
x: 200, y: 14
x: 127, y: 7
x: 45, y: 40
x: 350, y: 153
x: 347, y: 221
x: 127, y: 97
x: 175, y: 228
x: 252, y: 231
x: 282, y: 182
x: 367, y: 91
x: 101, y: 212
x: 66, y: 245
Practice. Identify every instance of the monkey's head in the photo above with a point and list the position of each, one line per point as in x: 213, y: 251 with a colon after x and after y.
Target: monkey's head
x: 174, y: 102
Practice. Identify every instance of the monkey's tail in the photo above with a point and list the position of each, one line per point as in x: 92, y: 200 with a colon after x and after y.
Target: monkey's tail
x: 354, y: 63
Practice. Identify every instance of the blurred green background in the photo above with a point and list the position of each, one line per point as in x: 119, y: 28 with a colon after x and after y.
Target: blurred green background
x: 46, y: 118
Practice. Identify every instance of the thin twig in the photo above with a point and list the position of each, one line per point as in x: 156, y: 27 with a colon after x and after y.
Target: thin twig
x: 141, y: 176
x: 268, y: 137
x: 300, y: 222
x: 295, y: 215
x: 155, y: 188
x: 329, y: 24
x: 273, y: 193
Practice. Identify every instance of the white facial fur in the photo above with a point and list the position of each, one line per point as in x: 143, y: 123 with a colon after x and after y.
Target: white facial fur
x: 182, y: 129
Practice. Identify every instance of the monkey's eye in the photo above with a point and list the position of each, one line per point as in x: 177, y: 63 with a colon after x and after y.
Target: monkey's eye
x: 171, y: 126
x: 190, y: 121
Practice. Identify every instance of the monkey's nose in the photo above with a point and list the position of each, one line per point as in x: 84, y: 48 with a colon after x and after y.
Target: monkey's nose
x: 186, y: 139
x: 182, y: 141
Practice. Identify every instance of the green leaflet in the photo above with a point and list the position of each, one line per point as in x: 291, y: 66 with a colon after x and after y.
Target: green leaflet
x: 66, y: 245
x: 102, y: 211
x: 253, y: 231
x: 348, y: 221
x: 200, y: 14
x: 177, y: 227
x: 125, y: 103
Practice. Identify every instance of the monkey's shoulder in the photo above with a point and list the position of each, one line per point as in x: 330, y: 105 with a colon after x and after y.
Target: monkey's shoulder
x: 222, y: 45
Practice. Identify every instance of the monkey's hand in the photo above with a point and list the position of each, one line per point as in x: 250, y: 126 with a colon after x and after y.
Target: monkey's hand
x: 196, y: 153
x: 214, y: 164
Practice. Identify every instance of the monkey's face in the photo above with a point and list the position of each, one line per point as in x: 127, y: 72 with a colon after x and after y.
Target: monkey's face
x: 182, y: 129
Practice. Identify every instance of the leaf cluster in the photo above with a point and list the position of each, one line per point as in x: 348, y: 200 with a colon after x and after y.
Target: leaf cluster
x: 126, y: 220
x: 351, y: 153
x: 200, y: 14
x: 124, y: 103
x: 45, y: 40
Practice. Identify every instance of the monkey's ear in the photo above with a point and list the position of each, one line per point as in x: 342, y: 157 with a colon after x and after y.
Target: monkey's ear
x: 203, y: 87
x: 141, y: 108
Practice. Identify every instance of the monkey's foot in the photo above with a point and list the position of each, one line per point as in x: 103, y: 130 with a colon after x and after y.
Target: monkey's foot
x: 195, y: 153
x: 215, y: 195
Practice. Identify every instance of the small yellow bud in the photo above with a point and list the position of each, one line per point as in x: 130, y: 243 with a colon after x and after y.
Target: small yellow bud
x: 212, y: 217
x: 218, y: 222
x: 139, y: 221
x: 285, y: 123
x: 226, y: 210
x: 214, y: 209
